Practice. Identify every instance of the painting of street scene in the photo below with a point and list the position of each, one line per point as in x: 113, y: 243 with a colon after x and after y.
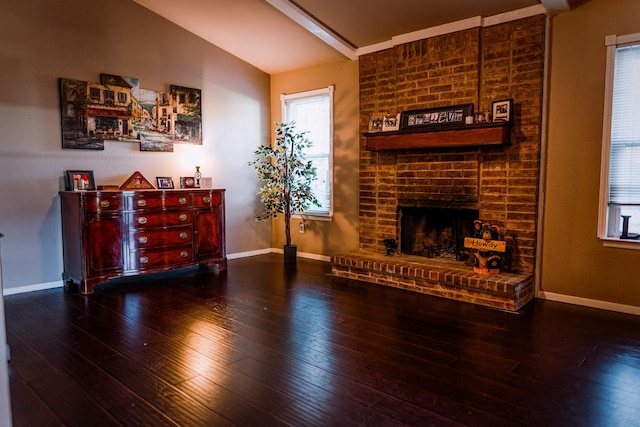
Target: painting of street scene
x: 188, y: 110
x: 117, y: 109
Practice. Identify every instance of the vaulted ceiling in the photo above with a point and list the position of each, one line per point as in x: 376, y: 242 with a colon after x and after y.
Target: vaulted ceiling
x: 282, y: 35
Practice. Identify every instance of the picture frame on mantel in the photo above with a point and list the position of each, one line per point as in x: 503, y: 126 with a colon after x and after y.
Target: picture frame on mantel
x: 502, y: 111
x: 436, y: 117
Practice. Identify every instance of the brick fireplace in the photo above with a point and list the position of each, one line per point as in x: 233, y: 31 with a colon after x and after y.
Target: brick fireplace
x: 499, y: 182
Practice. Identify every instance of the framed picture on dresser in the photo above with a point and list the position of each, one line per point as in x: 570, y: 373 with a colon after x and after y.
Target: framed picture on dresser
x: 77, y: 180
x: 164, y: 182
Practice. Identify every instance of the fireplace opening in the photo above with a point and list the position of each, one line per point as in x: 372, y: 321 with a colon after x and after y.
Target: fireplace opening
x: 436, y: 232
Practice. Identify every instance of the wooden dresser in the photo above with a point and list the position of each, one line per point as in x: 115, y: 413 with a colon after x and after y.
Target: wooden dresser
x: 108, y: 234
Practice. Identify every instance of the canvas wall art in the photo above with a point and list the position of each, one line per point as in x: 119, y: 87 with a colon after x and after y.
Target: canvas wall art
x: 117, y: 109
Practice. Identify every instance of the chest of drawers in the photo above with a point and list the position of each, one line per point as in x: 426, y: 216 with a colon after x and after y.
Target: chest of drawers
x: 109, y: 234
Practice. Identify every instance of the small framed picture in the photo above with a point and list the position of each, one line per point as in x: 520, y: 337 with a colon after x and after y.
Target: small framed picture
x: 502, y: 111
x: 206, y: 182
x: 375, y: 122
x: 164, y: 182
x: 187, y: 182
x: 79, y: 181
x: 391, y: 122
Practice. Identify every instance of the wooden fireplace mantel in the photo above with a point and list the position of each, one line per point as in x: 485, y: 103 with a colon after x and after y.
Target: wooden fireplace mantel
x: 458, y: 136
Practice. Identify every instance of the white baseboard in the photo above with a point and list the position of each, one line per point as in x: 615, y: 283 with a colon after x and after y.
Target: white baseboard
x: 249, y: 253
x: 592, y: 303
x: 32, y: 288
x: 60, y: 283
x: 304, y: 255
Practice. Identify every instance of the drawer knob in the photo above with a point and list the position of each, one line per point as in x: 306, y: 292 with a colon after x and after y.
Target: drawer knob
x: 104, y: 203
x: 182, y: 201
x: 183, y: 217
x: 142, y: 220
x: 142, y: 203
x: 206, y: 199
x: 143, y: 239
x: 184, y: 235
x: 144, y: 260
x: 184, y: 254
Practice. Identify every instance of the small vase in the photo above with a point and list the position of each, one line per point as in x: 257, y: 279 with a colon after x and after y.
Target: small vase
x: 197, y: 176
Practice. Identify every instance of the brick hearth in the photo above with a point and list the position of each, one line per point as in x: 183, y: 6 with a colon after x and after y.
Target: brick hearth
x: 449, y: 279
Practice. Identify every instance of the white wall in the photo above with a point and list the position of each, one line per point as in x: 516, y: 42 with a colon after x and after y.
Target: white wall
x: 42, y: 40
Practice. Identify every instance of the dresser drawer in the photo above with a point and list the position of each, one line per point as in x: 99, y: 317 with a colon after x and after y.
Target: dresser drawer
x: 177, y: 200
x: 206, y: 199
x: 156, y: 258
x: 159, y: 201
x: 140, y: 220
x: 103, y: 202
x: 156, y: 238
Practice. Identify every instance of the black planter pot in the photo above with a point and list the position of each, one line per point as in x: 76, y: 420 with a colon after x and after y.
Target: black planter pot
x: 290, y: 254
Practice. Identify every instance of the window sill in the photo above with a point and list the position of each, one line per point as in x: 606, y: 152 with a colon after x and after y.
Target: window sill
x: 315, y: 217
x: 609, y: 242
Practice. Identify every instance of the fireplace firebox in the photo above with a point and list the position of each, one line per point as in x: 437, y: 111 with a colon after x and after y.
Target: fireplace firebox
x: 436, y: 232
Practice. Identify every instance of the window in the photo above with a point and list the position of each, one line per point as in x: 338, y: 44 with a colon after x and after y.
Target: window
x: 94, y: 94
x: 109, y: 96
x: 619, y: 215
x: 312, y: 111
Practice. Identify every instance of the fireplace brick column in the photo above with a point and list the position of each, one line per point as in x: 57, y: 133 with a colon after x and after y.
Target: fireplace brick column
x: 478, y: 66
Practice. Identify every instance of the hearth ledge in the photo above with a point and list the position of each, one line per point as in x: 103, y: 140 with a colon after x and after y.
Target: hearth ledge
x: 447, y: 279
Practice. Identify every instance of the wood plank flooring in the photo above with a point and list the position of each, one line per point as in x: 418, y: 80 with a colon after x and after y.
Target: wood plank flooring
x: 261, y: 345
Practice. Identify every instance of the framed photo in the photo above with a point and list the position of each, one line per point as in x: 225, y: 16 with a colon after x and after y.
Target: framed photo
x: 206, y: 182
x: 502, y: 111
x: 187, y: 182
x: 375, y: 122
x: 79, y: 181
x: 391, y: 122
x: 440, y: 116
x: 164, y: 182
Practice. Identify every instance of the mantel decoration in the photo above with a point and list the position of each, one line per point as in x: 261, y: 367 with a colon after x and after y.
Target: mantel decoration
x: 117, y: 109
x: 439, y: 116
x: 502, y: 111
x: 287, y: 177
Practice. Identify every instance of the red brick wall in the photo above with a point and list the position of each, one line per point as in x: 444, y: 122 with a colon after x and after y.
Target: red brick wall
x: 476, y: 66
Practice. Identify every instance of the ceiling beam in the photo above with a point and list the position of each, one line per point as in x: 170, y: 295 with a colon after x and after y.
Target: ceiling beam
x: 555, y: 7
x: 315, y: 27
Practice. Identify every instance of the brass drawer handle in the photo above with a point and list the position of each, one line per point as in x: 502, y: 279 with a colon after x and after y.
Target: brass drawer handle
x: 142, y: 220
x: 182, y: 201
x: 144, y: 260
x: 206, y: 199
x: 142, y: 203
x: 104, y: 203
x: 143, y: 239
x: 183, y: 217
x: 184, y: 235
x: 184, y: 254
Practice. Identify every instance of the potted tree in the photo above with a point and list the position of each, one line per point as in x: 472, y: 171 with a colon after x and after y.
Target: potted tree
x: 287, y: 177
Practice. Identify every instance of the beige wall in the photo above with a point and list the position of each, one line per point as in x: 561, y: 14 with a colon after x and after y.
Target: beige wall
x: 42, y: 40
x: 340, y: 234
x: 574, y: 261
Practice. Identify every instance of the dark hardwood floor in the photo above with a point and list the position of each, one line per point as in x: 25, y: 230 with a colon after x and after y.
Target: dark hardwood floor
x: 260, y: 345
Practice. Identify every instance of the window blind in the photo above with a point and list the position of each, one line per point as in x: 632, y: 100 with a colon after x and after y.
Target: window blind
x: 313, y: 114
x: 624, y: 167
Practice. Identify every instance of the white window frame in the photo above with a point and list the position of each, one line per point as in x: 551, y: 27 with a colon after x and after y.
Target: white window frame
x: 329, y: 90
x: 612, y: 43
